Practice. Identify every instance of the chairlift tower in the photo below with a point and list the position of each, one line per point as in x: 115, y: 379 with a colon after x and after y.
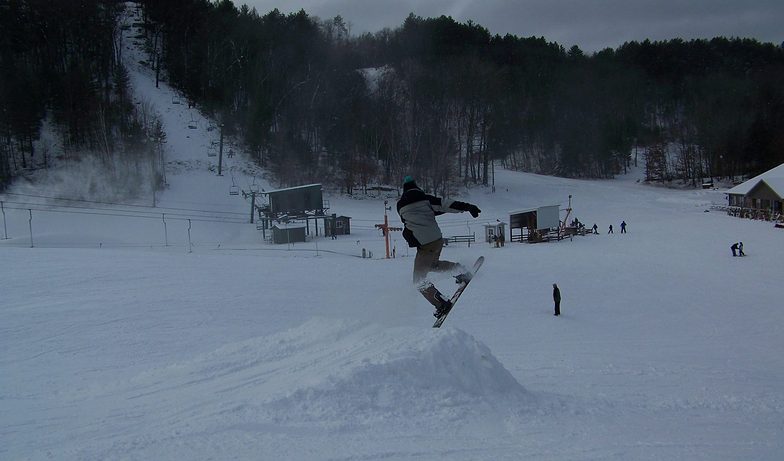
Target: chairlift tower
x: 385, y: 227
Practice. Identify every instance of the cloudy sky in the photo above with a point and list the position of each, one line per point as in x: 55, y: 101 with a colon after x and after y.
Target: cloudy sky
x: 590, y: 24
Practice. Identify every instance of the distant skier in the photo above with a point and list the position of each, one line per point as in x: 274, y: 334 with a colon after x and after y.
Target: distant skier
x: 595, y: 229
x: 734, y: 249
x: 610, y: 231
x: 557, y: 299
x: 623, y: 227
x: 418, y: 212
x: 740, y: 249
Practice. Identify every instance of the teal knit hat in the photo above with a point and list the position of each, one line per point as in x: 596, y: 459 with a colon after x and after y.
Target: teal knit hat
x: 408, y: 179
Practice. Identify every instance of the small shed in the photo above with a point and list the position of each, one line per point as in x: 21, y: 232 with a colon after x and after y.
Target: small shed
x: 337, y: 225
x: 495, y: 230
x: 288, y: 233
x: 532, y: 223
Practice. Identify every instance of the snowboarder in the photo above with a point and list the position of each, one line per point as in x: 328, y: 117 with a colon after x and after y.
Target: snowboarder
x: 623, y: 227
x: 557, y: 299
x: 418, y: 212
x: 734, y: 249
x: 740, y: 249
x: 610, y: 231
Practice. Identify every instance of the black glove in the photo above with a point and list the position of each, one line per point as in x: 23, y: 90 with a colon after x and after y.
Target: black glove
x: 463, y: 206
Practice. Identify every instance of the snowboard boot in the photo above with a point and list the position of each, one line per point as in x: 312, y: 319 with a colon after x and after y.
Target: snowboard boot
x: 465, y: 277
x: 434, y: 297
x: 442, y: 309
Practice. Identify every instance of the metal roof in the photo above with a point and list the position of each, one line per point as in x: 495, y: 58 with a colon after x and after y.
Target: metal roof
x: 293, y: 188
x: 773, y: 178
x: 528, y: 210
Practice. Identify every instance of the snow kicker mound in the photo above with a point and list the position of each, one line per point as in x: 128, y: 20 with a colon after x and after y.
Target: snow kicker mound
x: 367, y: 372
x: 332, y: 372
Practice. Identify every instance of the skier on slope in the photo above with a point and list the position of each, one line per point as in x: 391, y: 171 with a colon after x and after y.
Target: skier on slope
x: 418, y: 212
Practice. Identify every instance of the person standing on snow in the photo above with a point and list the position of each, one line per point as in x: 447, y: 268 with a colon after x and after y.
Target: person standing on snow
x: 734, y: 249
x: 740, y: 249
x: 418, y: 212
x: 623, y: 227
x: 557, y: 299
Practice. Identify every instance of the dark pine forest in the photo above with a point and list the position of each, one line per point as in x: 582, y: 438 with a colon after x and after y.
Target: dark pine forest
x: 433, y: 97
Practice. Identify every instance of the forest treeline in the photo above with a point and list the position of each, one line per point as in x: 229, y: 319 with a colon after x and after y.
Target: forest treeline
x: 61, y: 66
x: 433, y: 97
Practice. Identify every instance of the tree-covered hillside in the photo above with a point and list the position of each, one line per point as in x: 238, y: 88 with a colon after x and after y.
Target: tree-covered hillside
x: 433, y: 97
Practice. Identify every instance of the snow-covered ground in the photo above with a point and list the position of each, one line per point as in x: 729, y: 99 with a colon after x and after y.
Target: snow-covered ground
x: 114, y: 345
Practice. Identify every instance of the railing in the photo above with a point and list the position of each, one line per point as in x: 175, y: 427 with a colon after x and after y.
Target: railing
x: 461, y: 239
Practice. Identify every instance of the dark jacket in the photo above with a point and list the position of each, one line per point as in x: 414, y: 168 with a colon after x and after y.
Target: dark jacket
x: 556, y: 295
x: 418, y: 212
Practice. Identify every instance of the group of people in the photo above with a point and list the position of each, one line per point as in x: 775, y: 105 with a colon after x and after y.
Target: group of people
x: 737, y: 249
x: 610, y: 231
x: 578, y: 225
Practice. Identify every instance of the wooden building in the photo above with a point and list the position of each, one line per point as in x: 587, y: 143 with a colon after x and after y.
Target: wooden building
x: 337, y: 225
x: 494, y: 231
x: 534, y: 224
x: 301, y: 203
x: 288, y: 233
x: 297, y: 200
x: 760, y: 197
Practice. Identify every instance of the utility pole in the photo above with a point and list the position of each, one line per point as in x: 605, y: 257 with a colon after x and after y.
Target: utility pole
x: 492, y: 164
x: 252, y: 205
x: 568, y: 213
x: 252, y: 194
x: 5, y: 228
x: 220, y: 153
x: 385, y: 227
x: 31, y: 228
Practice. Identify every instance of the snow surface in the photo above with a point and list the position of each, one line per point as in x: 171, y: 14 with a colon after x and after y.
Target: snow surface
x: 114, y: 345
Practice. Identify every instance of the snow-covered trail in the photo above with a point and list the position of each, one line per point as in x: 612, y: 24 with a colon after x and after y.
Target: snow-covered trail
x: 163, y: 354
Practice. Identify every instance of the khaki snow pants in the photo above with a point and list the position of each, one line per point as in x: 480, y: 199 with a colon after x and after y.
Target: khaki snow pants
x: 428, y: 260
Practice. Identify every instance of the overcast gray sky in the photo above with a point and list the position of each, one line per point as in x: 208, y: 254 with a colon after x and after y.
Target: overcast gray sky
x: 590, y: 24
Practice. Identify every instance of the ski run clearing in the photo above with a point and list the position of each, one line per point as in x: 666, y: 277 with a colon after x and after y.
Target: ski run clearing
x: 114, y: 345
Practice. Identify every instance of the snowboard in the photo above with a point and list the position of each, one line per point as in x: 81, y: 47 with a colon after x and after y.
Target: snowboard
x: 461, y: 287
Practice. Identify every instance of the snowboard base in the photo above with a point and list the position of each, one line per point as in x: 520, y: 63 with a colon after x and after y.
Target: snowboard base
x: 459, y: 291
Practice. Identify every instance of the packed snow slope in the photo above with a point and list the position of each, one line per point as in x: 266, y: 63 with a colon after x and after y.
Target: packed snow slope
x: 130, y: 332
